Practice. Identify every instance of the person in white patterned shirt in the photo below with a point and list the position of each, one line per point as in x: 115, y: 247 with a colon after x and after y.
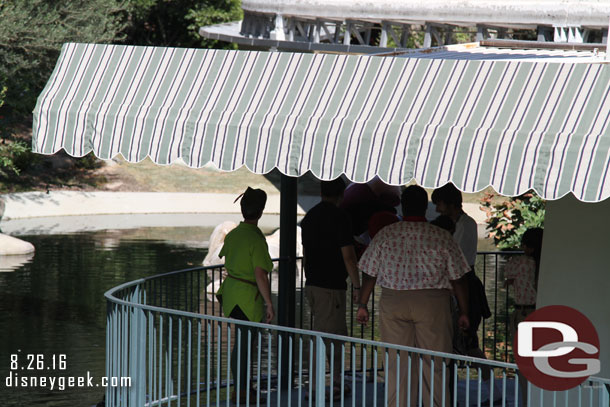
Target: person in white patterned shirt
x: 521, y: 272
x: 416, y: 264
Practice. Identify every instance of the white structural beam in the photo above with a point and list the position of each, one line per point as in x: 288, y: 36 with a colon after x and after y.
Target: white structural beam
x: 578, y: 13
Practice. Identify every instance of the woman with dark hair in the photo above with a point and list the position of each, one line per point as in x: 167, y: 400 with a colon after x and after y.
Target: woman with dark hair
x: 532, y: 243
x: 521, y: 272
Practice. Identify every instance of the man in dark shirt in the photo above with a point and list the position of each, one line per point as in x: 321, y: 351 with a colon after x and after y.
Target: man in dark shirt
x: 329, y: 257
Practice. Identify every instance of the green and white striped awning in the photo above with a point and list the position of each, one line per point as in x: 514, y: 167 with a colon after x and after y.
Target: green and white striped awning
x: 510, y: 124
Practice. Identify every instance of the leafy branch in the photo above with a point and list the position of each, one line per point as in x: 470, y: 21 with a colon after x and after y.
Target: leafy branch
x: 509, y: 219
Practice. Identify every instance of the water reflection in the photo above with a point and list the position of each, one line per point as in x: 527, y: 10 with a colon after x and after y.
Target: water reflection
x: 14, y: 262
x: 53, y: 302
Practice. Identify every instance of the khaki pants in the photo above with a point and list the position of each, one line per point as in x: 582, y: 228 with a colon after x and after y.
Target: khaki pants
x: 328, y: 307
x: 418, y: 318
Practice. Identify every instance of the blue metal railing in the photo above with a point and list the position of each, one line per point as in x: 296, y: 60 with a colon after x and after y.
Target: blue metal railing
x: 197, y: 289
x: 165, y: 333
x: 494, y: 331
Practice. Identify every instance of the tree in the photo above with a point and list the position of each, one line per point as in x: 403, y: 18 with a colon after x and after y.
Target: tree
x: 176, y: 22
x: 509, y: 219
x: 10, y: 152
x: 33, y: 31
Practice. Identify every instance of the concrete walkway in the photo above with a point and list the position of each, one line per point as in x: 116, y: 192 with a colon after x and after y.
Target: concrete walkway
x: 59, y: 212
x: 75, y: 203
x: 374, y: 395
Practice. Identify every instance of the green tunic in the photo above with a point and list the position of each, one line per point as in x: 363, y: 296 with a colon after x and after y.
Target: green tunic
x: 244, y: 249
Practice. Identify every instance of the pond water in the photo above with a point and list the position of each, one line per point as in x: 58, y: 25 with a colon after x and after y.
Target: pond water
x: 54, y: 304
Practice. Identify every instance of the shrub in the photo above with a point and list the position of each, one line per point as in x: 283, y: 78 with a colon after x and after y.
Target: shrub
x: 509, y: 219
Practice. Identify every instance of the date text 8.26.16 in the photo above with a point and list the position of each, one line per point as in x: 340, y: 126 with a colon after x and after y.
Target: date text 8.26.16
x: 35, y: 361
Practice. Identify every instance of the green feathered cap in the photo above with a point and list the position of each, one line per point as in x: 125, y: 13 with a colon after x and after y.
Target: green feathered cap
x: 252, y: 202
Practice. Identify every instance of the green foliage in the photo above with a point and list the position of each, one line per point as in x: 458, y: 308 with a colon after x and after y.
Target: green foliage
x: 11, y: 152
x: 463, y: 37
x: 33, y: 31
x: 209, y: 13
x: 416, y: 39
x: 508, y: 220
x: 176, y: 22
x: 13, y: 158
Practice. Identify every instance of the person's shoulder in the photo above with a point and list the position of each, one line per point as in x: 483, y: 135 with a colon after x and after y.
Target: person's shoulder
x: 521, y: 261
x: 443, y: 238
x: 324, y: 213
x: 528, y: 260
x: 399, y: 227
x: 247, y: 231
x: 320, y: 207
x: 233, y: 237
x: 428, y: 227
x: 256, y: 237
x: 232, y: 233
x: 334, y: 212
x: 387, y: 230
x: 467, y: 220
x: 313, y: 212
x: 437, y: 231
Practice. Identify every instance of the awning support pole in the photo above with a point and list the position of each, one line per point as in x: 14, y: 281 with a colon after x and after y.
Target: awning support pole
x: 287, y: 272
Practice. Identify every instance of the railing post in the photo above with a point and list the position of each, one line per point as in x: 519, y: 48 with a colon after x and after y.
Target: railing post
x: 137, y: 348
x: 109, y: 349
x: 320, y: 371
x: 142, y: 329
x: 141, y: 348
x: 134, y: 345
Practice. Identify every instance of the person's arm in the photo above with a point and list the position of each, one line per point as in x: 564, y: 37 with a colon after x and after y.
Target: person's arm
x: 509, y: 273
x: 368, y: 284
x: 460, y: 288
x: 351, y: 264
x: 369, y: 264
x: 467, y: 237
x: 457, y: 269
x: 262, y: 281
